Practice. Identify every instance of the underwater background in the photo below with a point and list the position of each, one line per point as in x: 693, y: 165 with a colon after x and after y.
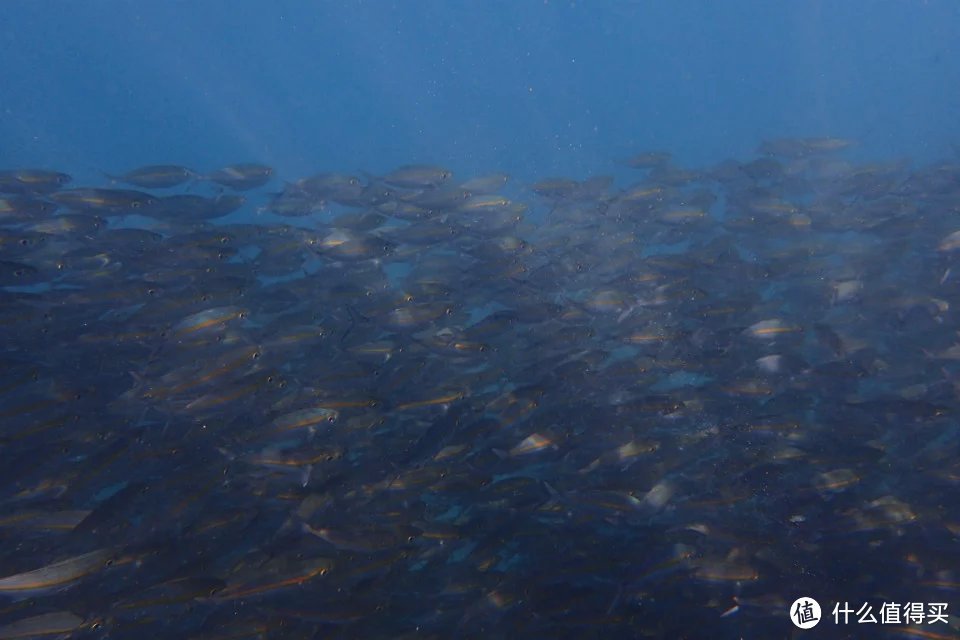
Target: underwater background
x: 500, y: 319
x: 531, y: 88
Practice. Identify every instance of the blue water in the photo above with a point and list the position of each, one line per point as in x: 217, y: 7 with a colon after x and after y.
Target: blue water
x: 531, y: 88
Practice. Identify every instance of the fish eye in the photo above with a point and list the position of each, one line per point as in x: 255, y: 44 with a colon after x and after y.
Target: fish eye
x: 135, y: 204
x: 256, y: 354
x: 24, y: 242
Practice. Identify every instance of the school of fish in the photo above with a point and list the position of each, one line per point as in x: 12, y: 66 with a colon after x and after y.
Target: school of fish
x: 424, y: 405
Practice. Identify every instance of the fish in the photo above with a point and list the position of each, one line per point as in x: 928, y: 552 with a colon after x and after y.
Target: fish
x: 17, y: 273
x: 32, y: 181
x: 417, y: 176
x: 487, y: 184
x: 57, y: 624
x: 241, y: 177
x: 55, y: 576
x: 106, y: 201
x: 161, y: 176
